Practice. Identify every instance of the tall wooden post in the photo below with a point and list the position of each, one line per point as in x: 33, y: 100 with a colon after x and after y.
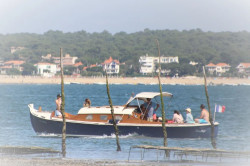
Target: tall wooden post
x: 213, y: 142
x: 165, y: 143
x: 63, y: 108
x: 113, y: 117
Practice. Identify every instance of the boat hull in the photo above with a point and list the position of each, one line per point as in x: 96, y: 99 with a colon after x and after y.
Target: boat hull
x: 76, y: 128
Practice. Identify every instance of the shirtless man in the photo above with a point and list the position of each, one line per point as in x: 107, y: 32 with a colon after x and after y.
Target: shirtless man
x: 204, y: 118
x: 58, y: 106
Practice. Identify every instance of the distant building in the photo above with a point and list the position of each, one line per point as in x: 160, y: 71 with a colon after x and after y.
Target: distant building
x: 14, y: 49
x: 218, y: 68
x: 46, y: 69
x: 67, y: 59
x: 13, y: 64
x: 244, y: 68
x: 193, y: 63
x: 148, y: 63
x: 112, y: 66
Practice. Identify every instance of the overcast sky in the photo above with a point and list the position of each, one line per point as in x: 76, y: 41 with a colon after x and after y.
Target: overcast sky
x: 39, y: 16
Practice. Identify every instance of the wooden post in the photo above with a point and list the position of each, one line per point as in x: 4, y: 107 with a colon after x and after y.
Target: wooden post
x: 213, y: 142
x: 165, y: 143
x: 113, y: 117
x: 62, y: 108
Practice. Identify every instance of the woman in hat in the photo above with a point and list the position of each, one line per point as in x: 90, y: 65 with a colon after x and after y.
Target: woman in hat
x: 189, y: 116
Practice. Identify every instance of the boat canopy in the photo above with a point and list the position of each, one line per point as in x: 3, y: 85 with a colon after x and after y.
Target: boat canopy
x: 145, y: 95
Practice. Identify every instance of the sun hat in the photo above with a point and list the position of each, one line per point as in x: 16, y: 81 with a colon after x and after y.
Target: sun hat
x: 188, y: 110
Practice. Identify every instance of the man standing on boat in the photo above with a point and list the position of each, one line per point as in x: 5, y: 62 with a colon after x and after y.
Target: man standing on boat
x: 204, y: 117
x: 151, y: 108
x: 58, y: 106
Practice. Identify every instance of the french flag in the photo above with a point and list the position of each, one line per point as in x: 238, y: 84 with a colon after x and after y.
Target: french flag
x: 219, y: 108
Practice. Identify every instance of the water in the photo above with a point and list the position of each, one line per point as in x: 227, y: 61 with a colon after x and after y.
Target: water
x: 16, y: 129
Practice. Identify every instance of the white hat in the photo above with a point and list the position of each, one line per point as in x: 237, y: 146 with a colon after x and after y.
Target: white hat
x: 188, y: 110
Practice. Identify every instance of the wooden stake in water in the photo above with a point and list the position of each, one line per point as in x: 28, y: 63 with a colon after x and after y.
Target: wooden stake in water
x: 62, y: 108
x: 165, y: 143
x: 213, y: 142
x: 113, y: 117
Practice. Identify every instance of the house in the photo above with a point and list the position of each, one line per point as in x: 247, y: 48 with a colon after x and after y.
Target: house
x: 77, y: 71
x: 217, y: 68
x: 67, y: 60
x: 13, y: 64
x: 244, y: 68
x: 148, y: 63
x: 111, y: 66
x: 15, y: 49
x: 46, y: 69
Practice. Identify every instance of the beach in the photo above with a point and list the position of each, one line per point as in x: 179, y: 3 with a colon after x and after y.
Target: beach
x: 123, y: 80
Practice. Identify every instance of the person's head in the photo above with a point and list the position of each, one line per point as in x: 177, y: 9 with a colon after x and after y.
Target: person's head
x: 87, y: 100
x: 176, y: 112
x: 148, y: 99
x: 142, y: 107
x: 202, y: 106
x: 188, y: 110
x: 58, y: 96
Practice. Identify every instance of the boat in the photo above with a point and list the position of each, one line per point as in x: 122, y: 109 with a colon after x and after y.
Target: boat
x: 97, y: 121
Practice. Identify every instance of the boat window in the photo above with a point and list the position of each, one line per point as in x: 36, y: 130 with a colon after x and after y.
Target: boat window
x: 118, y: 117
x: 103, y: 117
x: 89, y: 117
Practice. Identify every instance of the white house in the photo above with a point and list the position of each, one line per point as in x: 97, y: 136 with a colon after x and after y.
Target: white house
x: 244, y: 68
x: 148, y: 63
x: 112, y: 66
x: 218, y: 68
x: 46, y: 69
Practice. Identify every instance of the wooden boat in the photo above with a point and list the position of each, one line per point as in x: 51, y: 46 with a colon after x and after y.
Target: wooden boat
x: 97, y: 121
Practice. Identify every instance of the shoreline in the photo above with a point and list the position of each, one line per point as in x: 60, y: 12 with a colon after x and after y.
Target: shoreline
x: 123, y: 80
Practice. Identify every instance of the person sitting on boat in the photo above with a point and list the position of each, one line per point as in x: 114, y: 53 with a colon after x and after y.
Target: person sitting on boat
x: 189, y: 116
x: 151, y: 108
x: 58, y: 106
x: 204, y: 117
x: 143, y: 112
x: 177, y: 117
x: 87, y: 103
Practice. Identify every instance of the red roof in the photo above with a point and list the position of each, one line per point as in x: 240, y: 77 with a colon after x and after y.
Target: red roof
x: 210, y: 65
x: 223, y: 64
x: 78, y: 64
x: 110, y: 60
x: 15, y: 62
x: 245, y: 65
x: 218, y: 64
x: 84, y: 68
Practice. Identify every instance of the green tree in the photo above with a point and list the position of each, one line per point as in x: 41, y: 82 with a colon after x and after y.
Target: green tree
x: 28, y: 69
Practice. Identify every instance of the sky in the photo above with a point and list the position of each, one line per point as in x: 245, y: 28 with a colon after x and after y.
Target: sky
x: 40, y: 16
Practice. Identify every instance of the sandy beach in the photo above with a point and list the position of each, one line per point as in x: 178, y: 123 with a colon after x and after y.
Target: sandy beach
x: 122, y: 80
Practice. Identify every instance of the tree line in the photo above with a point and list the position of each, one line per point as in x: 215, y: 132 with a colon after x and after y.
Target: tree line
x: 91, y: 48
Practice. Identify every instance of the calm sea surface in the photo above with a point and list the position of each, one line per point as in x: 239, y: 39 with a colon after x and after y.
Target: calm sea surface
x: 16, y: 129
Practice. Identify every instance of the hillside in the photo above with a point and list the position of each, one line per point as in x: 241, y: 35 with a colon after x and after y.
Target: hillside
x: 195, y: 45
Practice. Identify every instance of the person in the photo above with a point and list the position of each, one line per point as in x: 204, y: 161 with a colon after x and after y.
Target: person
x: 177, y: 117
x: 58, y: 106
x: 189, y: 116
x: 204, y: 117
x: 87, y: 103
x: 143, y: 112
x: 151, y: 109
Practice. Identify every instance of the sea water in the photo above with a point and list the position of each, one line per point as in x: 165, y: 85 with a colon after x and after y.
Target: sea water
x: 16, y: 129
